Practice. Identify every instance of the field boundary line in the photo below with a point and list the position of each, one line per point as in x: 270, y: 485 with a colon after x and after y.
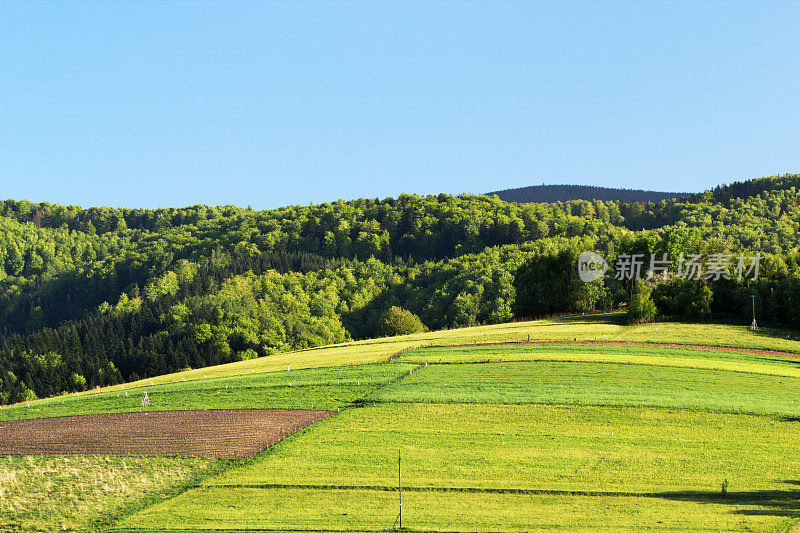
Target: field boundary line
x: 768, y: 370
x: 765, y: 494
x: 655, y: 407
x: 401, y: 352
x: 756, y: 351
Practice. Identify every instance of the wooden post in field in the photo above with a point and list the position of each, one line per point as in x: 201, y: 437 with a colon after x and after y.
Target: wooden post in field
x: 754, y: 326
x: 400, y: 490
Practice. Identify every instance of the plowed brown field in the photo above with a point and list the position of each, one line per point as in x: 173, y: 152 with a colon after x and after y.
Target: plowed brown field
x: 230, y: 433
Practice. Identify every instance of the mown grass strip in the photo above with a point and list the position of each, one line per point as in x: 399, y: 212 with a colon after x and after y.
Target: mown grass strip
x: 756, y: 363
x: 582, y: 448
x: 610, y: 384
x: 363, y: 510
x: 687, y: 494
x: 322, y: 389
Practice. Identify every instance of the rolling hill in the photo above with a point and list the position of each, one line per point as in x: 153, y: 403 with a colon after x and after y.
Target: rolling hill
x: 566, y: 193
x: 575, y: 423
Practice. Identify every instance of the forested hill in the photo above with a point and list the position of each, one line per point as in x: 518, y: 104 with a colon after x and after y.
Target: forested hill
x: 91, y: 297
x: 566, y: 193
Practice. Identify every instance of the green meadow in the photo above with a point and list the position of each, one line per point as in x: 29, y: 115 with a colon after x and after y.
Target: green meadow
x: 492, y: 437
x: 615, y: 384
x: 325, y: 389
x: 688, y: 356
x: 656, y: 466
x: 590, y: 327
x: 77, y: 493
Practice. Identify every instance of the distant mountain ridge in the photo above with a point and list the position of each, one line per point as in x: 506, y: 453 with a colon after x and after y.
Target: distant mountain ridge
x: 566, y: 193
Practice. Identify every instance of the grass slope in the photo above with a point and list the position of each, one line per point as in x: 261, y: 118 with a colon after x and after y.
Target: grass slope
x: 80, y: 492
x: 325, y: 389
x: 493, y: 449
x: 737, y: 361
x: 648, y: 464
x: 533, y: 447
x: 256, y: 509
x: 554, y: 382
x: 600, y: 326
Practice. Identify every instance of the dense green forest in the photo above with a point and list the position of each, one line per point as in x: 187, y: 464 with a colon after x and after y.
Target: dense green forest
x: 565, y: 193
x: 91, y: 297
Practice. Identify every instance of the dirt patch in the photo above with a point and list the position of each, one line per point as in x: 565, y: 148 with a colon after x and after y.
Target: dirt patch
x: 224, y: 433
x: 623, y: 343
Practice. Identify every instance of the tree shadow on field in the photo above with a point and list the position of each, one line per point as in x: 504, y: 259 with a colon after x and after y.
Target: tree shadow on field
x: 779, y: 503
x: 773, y: 332
x: 603, y: 317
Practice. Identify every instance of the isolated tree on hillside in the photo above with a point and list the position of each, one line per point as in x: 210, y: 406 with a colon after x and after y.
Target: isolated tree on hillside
x: 398, y: 321
x: 642, y: 308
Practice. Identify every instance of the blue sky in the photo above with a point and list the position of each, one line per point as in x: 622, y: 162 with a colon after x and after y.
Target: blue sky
x: 173, y: 103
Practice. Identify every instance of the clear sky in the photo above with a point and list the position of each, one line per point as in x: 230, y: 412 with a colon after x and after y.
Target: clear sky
x: 174, y: 103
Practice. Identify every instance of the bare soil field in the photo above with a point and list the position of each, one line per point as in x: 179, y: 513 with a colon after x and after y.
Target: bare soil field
x: 233, y: 433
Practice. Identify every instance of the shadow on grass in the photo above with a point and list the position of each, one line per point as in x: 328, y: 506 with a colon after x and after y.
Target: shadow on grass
x: 602, y: 317
x: 781, y: 503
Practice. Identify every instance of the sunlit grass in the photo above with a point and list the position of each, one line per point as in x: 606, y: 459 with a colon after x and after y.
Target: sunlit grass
x: 555, y: 382
x: 675, y: 460
x: 641, y: 355
x: 600, y: 326
x: 49, y: 494
x: 257, y: 509
x: 533, y: 447
x: 315, y: 388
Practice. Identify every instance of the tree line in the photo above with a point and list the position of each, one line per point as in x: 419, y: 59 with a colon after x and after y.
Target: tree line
x: 90, y: 297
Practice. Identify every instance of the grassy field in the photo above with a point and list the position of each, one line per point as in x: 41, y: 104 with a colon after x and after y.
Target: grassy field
x: 262, y: 509
x: 557, y: 382
x: 324, y: 389
x: 533, y: 447
x: 640, y: 355
x: 493, y: 438
x: 81, y: 492
x: 653, y: 464
x: 600, y: 326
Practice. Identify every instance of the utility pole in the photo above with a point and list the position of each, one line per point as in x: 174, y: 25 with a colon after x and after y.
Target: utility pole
x: 400, y: 490
x: 754, y: 326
